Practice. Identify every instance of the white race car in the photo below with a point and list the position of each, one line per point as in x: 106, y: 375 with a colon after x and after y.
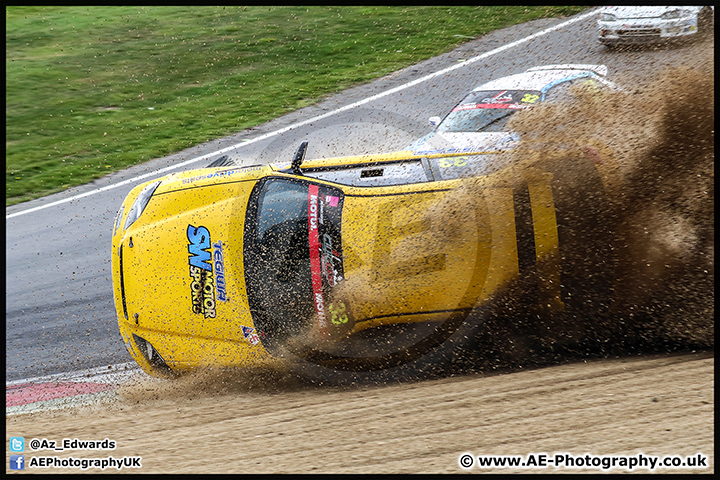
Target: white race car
x: 652, y: 24
x: 479, y: 121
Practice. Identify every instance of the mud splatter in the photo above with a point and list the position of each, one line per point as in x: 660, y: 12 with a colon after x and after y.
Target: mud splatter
x: 205, y: 383
x: 650, y: 286
x: 668, y: 217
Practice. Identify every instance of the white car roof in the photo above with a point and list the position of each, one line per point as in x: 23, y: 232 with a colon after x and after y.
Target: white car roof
x: 643, y: 11
x: 538, y: 77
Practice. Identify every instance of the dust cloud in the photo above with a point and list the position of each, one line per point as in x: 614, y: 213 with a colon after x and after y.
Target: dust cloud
x: 204, y: 383
x: 638, y: 255
x: 661, y: 188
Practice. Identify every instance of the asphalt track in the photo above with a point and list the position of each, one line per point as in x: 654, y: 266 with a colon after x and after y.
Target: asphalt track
x: 59, y: 307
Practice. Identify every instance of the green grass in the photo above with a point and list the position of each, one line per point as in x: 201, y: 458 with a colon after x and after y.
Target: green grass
x: 92, y: 90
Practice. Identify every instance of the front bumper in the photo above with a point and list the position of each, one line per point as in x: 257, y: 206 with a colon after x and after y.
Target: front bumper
x: 614, y: 33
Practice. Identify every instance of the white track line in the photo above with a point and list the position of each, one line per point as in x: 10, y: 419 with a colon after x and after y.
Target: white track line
x: 312, y: 120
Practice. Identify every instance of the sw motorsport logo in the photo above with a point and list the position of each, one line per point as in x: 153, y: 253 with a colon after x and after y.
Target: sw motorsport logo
x: 205, y: 280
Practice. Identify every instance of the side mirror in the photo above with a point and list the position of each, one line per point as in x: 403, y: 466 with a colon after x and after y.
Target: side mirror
x: 434, y: 121
x: 298, y: 158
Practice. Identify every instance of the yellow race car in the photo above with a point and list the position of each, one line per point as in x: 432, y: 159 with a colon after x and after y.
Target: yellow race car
x: 355, y: 268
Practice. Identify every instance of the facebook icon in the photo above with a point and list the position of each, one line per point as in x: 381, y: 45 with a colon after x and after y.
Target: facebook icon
x: 17, y: 462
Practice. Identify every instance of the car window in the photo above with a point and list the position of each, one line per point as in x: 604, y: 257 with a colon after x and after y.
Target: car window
x: 488, y: 110
x: 280, y: 202
x: 292, y: 254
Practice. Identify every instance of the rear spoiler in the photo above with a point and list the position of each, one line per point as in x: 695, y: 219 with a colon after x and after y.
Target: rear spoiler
x: 598, y: 69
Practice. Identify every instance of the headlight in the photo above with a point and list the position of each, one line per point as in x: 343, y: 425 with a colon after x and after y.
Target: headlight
x: 153, y: 357
x: 140, y: 203
x: 673, y: 14
x: 607, y: 17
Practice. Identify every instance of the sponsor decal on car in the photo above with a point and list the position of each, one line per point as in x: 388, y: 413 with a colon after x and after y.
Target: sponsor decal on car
x: 472, y: 106
x: 202, y: 287
x: 219, y: 266
x: 250, y: 335
x: 502, y: 97
x: 326, y: 261
x: 315, y: 270
x: 223, y: 173
x: 329, y: 258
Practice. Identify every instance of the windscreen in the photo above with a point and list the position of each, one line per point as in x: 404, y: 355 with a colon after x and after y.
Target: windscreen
x: 487, y: 111
x: 293, y: 256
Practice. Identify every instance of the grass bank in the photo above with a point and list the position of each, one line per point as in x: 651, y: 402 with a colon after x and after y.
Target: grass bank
x: 92, y: 90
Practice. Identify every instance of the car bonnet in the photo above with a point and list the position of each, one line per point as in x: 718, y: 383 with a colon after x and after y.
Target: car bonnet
x: 181, y: 262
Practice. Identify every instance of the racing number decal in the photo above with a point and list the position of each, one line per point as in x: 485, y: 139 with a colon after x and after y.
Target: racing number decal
x: 591, y: 85
x: 452, y: 162
x: 519, y: 230
x: 530, y: 98
x: 338, y: 313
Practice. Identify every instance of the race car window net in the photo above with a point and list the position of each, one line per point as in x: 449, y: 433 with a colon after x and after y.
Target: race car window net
x: 488, y: 110
x: 280, y: 279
